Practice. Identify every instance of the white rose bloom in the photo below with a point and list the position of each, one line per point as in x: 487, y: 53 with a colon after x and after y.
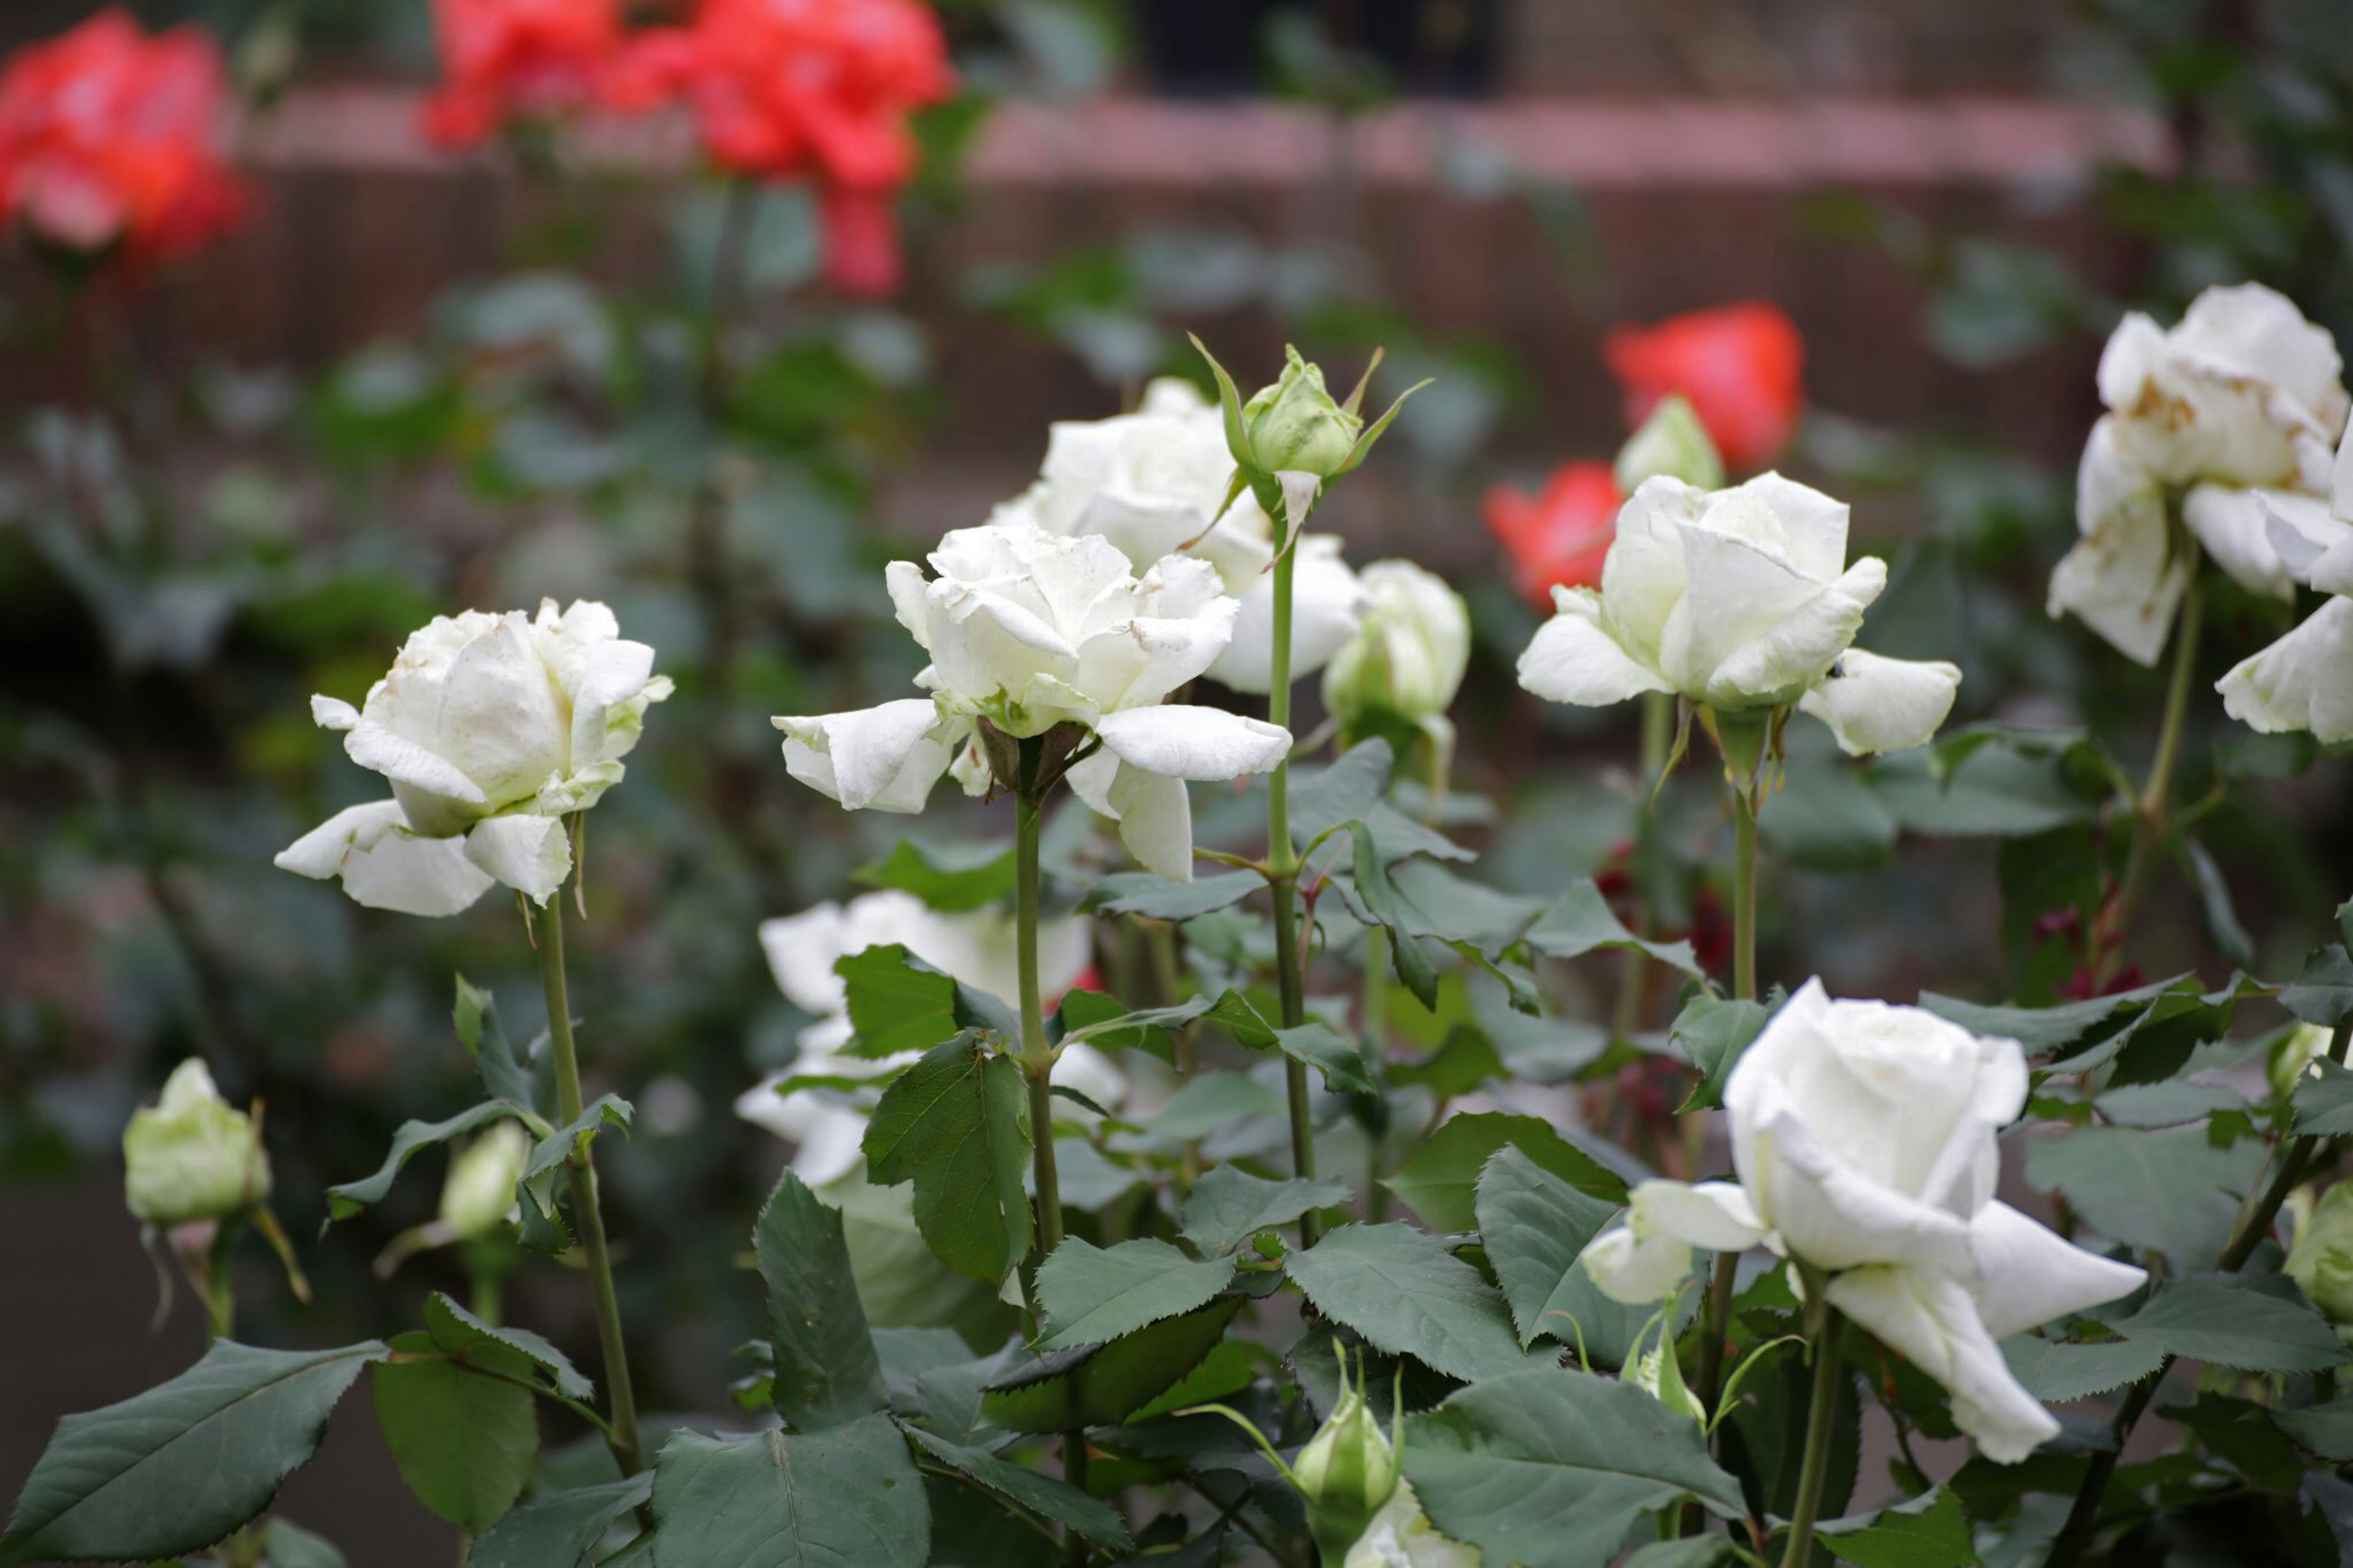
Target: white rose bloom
x: 1151, y: 483
x: 2236, y: 410
x: 1863, y: 1135
x: 1413, y: 651
x: 1735, y: 599
x: 2305, y: 681
x: 492, y: 729
x: 977, y: 949
x: 1029, y: 630
x: 1401, y: 1536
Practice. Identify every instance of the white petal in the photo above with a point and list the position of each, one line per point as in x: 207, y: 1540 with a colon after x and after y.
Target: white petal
x: 334, y: 713
x: 528, y: 852
x: 1189, y: 742
x: 2130, y: 358
x: 2316, y: 548
x: 404, y: 761
x: 1932, y: 1321
x: 2233, y: 524
x: 2341, y: 491
x: 1874, y: 704
x: 2121, y: 582
x: 1154, y: 814
x: 1300, y: 491
x: 2257, y: 334
x: 384, y: 866
x: 887, y: 758
x: 1574, y: 659
x: 827, y: 1133
x: 1327, y: 605
x: 802, y: 949
x: 1716, y: 1215
x: 1836, y: 1216
x: 2304, y: 681
x: 1636, y: 1271
x: 2028, y: 1274
x: 1813, y: 526
x: 1796, y: 649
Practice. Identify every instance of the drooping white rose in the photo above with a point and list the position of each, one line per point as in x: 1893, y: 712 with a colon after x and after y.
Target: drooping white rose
x: 1151, y: 482
x: 1028, y: 631
x: 1737, y: 599
x: 977, y: 948
x: 1412, y: 653
x: 1863, y: 1135
x: 492, y: 729
x: 2235, y: 410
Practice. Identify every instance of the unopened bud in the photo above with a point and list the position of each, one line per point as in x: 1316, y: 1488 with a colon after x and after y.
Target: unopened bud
x: 1672, y: 443
x: 480, y: 1195
x: 193, y: 1156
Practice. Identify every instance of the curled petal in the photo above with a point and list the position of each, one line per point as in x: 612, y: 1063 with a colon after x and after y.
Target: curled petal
x: 1874, y: 704
x: 2028, y: 1274
x: 334, y: 713
x: 1647, y: 1257
x: 2314, y: 548
x: 1181, y: 742
x: 1574, y: 659
x: 1932, y: 1321
x: 2234, y: 525
x: 1796, y: 648
x: 886, y: 758
x: 2125, y: 582
x: 2304, y: 681
x: 1836, y: 1216
x: 382, y: 865
x: 1636, y: 1270
x: 1153, y: 812
x: 528, y: 852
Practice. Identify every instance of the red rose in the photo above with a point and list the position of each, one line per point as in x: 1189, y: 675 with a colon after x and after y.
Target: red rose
x: 112, y: 138
x: 503, y: 60
x: 807, y: 90
x: 1741, y: 366
x: 1561, y: 535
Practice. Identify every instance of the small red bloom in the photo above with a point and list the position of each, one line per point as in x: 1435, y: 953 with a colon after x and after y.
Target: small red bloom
x: 109, y: 137
x: 1741, y: 366
x: 1561, y: 535
x: 503, y: 60
x: 808, y: 90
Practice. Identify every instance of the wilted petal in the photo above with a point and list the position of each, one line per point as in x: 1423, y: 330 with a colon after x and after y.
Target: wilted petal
x: 384, y: 866
x: 2125, y: 584
x: 1932, y: 1321
x: 1186, y: 743
x: 1874, y: 704
x: 1573, y: 659
x: 887, y: 758
x: 2304, y: 681
x: 2233, y: 526
x: 2028, y: 1274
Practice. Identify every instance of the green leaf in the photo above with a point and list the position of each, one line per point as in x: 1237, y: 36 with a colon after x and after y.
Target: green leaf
x: 1465, y: 1060
x: 349, y: 1198
x: 816, y: 1500
x: 2170, y: 1104
x: 1505, y: 1465
x: 1691, y: 1551
x: 1095, y: 1385
x: 1382, y: 905
x: 896, y: 1003
x: 2324, y: 1101
x: 1439, y: 1179
x: 286, y: 1545
x: 557, y: 1531
x: 957, y: 1125
x: 951, y: 877
x: 173, y: 1469
x: 1040, y: 1498
x: 826, y: 1371
x: 1337, y: 1059
x: 2057, y: 1372
x: 2323, y: 993
x: 1157, y: 898
x: 548, y: 1156
x: 2173, y: 1191
x: 2104, y: 1023
x: 1579, y: 923
x: 1713, y: 1034
x: 1229, y: 1205
x: 2326, y: 1430
x: 459, y: 1332
x: 1534, y: 1224
x: 1092, y: 1295
x: 505, y: 1074
x: 1997, y: 791
x: 1931, y: 1531
x: 464, y: 1442
x: 1214, y: 1101
x: 1404, y: 1292
x: 1355, y: 790
x: 2226, y: 1320
x: 2231, y: 938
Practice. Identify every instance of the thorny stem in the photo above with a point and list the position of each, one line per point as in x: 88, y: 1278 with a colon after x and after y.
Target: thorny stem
x: 2153, y: 812
x: 580, y: 1170
x: 2255, y: 1224
x: 1282, y: 866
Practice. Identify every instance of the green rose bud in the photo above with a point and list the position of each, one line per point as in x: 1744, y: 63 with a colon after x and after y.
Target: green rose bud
x: 1671, y: 442
x: 1348, y: 1470
x: 1409, y: 653
x: 193, y: 1156
x: 2321, y: 1261
x: 480, y: 1195
x: 1297, y: 426
x: 2292, y: 1056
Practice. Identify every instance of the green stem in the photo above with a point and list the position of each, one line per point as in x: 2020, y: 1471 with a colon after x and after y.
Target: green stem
x: 2153, y: 812
x: 1744, y: 896
x: 2083, y: 1518
x: 1282, y: 869
x: 580, y: 1170
x: 1819, y: 1418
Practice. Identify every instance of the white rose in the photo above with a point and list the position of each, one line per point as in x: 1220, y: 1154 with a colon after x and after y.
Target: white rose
x: 2235, y: 410
x: 1863, y: 1135
x: 1151, y: 482
x: 1029, y: 631
x: 2304, y: 681
x: 1736, y: 599
x: 977, y: 948
x: 1414, y: 648
x: 492, y: 729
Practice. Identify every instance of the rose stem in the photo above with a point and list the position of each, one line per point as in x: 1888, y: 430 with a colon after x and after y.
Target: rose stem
x: 2154, y: 811
x: 1716, y: 1313
x: 1282, y: 875
x: 1798, y: 1551
x: 580, y: 1171
x: 2253, y: 1226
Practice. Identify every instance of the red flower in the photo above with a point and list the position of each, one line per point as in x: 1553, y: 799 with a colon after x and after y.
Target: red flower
x: 112, y: 138
x: 808, y: 90
x: 518, y: 59
x: 1741, y: 366
x: 1561, y: 535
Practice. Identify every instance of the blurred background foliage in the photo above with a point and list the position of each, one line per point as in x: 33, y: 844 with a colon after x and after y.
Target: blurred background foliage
x: 192, y: 541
